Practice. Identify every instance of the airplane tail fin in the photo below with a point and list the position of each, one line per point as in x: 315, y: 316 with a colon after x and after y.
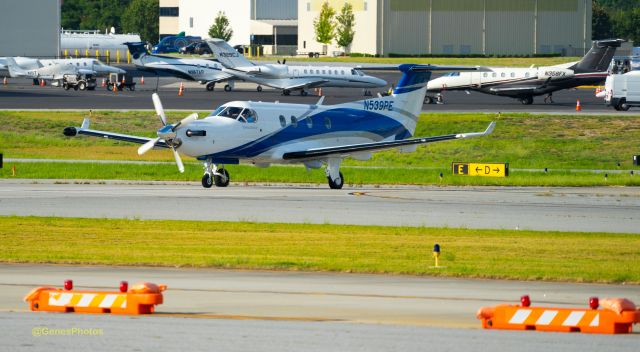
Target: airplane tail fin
x: 226, y: 55
x: 15, y: 70
x: 137, y: 49
x: 599, y: 56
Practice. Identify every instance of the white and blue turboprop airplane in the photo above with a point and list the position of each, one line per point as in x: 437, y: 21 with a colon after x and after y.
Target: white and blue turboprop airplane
x: 266, y: 133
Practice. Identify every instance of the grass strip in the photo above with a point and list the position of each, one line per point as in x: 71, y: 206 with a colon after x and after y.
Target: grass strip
x: 504, y: 254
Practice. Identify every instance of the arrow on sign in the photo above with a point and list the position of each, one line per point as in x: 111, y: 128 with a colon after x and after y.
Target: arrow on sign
x: 478, y: 169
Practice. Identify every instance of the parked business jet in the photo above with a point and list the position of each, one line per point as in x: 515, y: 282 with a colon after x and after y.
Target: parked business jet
x: 265, y: 133
x: 205, y: 71
x: 525, y: 83
x: 53, y: 69
x: 288, y: 78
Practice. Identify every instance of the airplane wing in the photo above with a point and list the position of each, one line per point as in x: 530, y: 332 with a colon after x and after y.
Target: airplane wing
x: 520, y: 88
x: 345, y: 150
x: 84, y: 129
x: 307, y: 84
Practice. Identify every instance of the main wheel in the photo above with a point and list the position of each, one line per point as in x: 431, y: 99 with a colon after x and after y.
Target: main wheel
x: 304, y: 93
x: 211, y: 86
x: 337, y: 184
x: 259, y: 88
x: 207, y: 181
x: 526, y: 100
x: 624, y: 107
x: 428, y: 100
x: 286, y: 92
x: 219, y: 180
x: 82, y: 85
x: 227, y: 88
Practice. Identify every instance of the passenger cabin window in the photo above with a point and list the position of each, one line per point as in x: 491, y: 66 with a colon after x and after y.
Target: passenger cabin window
x: 526, y: 74
x: 494, y: 75
x: 324, y: 72
x: 485, y: 75
x: 294, y: 121
x: 309, y: 122
x: 342, y: 72
x: 283, y: 121
x: 305, y: 71
x: 502, y: 74
x: 513, y: 74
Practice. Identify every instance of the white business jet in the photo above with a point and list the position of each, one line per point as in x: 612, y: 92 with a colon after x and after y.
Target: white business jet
x: 525, y: 83
x: 289, y: 78
x: 54, y: 69
x: 314, y: 135
x: 205, y: 71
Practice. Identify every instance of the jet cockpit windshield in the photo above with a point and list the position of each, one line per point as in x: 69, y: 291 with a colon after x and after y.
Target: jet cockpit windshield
x: 240, y: 114
x: 452, y: 74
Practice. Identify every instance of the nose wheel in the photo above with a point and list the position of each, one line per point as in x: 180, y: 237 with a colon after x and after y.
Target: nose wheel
x: 214, y: 175
x: 337, y: 183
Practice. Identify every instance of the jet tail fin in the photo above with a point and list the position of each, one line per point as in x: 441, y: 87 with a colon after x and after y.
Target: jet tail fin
x: 226, y: 55
x: 15, y: 70
x: 599, y: 56
x: 137, y: 49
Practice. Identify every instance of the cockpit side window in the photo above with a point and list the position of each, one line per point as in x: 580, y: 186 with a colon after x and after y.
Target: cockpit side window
x: 231, y: 112
x: 248, y: 116
x: 353, y: 72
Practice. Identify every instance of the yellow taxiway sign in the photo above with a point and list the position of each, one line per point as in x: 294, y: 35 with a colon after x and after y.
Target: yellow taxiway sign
x: 480, y: 169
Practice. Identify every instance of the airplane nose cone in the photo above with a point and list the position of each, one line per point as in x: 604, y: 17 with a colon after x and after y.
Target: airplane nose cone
x: 379, y: 82
x: 433, y: 84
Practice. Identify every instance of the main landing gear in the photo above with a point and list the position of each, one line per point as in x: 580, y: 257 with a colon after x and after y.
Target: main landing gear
x: 527, y: 100
x: 213, y: 175
x: 334, y: 176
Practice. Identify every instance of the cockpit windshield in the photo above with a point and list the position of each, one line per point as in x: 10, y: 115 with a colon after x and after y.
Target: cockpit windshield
x: 355, y: 72
x: 237, y: 113
x: 452, y: 74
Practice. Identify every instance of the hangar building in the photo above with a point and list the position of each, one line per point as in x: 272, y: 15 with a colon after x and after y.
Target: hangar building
x: 29, y: 32
x: 454, y: 27
x: 271, y: 23
x: 409, y: 27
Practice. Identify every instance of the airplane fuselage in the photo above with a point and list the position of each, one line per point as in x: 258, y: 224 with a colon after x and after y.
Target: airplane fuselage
x: 506, y: 81
x: 189, y: 68
x: 276, y: 128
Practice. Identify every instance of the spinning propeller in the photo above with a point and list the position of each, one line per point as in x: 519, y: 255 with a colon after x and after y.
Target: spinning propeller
x: 167, y: 132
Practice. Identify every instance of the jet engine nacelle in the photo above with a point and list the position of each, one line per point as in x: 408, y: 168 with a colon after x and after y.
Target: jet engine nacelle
x: 554, y: 73
x: 275, y: 70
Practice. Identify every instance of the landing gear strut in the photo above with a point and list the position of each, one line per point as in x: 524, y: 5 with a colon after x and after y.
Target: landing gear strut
x: 214, y: 175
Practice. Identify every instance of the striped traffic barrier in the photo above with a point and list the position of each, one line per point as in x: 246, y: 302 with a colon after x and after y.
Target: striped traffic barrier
x: 139, y: 299
x: 617, y: 316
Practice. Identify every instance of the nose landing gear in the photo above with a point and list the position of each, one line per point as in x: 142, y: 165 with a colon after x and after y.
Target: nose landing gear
x: 214, y: 175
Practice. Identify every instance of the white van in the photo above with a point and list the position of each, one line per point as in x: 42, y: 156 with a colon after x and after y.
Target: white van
x: 623, y: 91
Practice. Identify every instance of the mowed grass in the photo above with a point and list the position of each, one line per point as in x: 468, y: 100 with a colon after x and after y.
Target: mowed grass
x: 524, y: 141
x: 523, y: 255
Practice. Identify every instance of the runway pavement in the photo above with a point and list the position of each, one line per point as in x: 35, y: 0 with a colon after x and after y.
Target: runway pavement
x: 20, y: 94
x: 604, y: 209
x: 288, y: 311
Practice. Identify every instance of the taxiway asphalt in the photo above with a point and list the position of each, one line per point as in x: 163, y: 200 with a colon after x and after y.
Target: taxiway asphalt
x: 20, y: 94
x: 296, y: 311
x: 601, y: 209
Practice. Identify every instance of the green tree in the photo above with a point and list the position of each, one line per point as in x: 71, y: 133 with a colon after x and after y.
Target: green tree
x: 220, y: 28
x: 344, y: 28
x: 141, y: 16
x: 323, y: 25
x: 601, y: 27
x: 626, y: 25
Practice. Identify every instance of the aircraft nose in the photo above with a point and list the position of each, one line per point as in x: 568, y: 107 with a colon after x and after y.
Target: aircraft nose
x: 379, y: 82
x: 433, y: 84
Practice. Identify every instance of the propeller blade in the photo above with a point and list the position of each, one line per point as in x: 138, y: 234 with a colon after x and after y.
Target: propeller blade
x: 178, y: 160
x: 278, y: 61
x: 147, y: 146
x: 284, y: 61
x: 159, y: 110
x: 184, y: 122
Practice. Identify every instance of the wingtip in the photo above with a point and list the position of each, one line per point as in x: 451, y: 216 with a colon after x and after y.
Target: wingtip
x: 490, y: 128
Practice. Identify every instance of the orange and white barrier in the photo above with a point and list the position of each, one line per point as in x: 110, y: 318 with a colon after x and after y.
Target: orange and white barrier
x: 181, y: 89
x: 142, y: 80
x: 104, y: 83
x: 139, y: 299
x: 578, y: 107
x: 617, y: 317
x: 4, y: 81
